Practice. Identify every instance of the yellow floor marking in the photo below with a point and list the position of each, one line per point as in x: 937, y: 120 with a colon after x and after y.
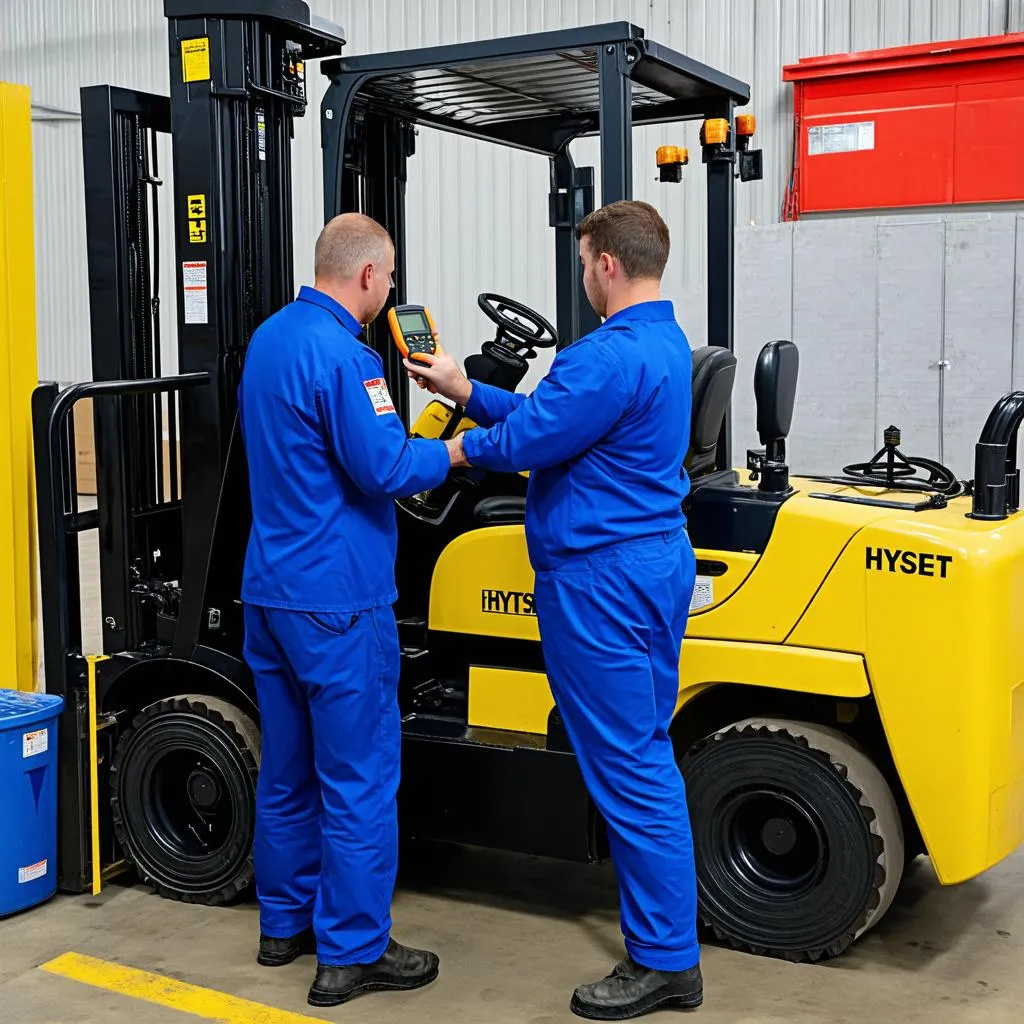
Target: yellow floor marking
x: 155, y: 988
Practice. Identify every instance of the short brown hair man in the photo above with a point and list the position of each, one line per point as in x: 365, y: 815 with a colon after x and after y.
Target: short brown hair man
x: 605, y: 435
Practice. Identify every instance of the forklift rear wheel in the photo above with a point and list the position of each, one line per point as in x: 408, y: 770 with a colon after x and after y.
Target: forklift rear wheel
x: 183, y: 793
x: 798, y: 840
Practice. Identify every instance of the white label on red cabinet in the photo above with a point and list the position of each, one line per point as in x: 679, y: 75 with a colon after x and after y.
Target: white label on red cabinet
x: 840, y: 138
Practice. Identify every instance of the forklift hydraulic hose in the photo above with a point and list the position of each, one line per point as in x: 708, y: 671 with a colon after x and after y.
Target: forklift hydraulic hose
x: 891, y: 469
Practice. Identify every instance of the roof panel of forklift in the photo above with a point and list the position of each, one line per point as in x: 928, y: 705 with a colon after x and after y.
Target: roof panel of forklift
x: 538, y: 90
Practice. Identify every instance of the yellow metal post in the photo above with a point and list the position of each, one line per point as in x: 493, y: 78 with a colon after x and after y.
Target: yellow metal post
x: 18, y: 376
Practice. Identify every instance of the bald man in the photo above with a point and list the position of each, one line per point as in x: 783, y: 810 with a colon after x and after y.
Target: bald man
x: 327, y: 455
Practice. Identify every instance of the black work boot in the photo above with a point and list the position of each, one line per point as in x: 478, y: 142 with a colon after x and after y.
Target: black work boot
x: 631, y: 990
x: 399, y: 968
x: 278, y: 952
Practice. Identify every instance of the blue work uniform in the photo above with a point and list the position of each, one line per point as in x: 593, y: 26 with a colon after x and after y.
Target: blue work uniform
x: 605, y: 434
x: 327, y: 455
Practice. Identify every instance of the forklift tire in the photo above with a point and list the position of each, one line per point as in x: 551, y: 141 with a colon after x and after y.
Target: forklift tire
x: 183, y: 798
x: 798, y: 840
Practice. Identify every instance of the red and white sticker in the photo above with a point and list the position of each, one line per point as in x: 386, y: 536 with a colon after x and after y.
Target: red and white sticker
x: 33, y: 743
x: 32, y: 872
x: 377, y: 389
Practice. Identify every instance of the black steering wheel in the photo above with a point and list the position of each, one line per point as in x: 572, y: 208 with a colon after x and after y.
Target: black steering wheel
x: 518, y: 325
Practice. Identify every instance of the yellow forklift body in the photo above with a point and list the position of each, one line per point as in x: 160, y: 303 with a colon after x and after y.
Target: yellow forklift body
x: 845, y: 598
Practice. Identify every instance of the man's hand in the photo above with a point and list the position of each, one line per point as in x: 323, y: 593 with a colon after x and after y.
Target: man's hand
x: 456, y: 455
x: 440, y: 374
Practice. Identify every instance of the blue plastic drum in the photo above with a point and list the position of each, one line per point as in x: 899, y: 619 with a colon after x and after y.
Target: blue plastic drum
x: 28, y: 798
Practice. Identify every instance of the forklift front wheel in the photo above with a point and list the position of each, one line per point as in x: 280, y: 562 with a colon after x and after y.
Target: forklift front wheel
x: 183, y: 789
x: 797, y: 837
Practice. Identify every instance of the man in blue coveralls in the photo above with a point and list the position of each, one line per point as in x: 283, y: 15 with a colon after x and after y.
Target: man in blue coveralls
x: 605, y: 434
x: 327, y: 455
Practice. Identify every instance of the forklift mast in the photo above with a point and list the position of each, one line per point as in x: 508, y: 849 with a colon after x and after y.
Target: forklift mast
x: 240, y: 82
x: 172, y: 498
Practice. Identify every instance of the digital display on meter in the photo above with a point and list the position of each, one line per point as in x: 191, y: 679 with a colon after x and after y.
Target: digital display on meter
x: 413, y: 323
x: 413, y: 331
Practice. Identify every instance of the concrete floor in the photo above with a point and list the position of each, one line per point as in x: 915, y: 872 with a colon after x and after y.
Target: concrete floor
x: 515, y: 935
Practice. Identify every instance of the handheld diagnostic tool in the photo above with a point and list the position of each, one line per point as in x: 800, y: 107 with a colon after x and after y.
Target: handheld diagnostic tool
x: 413, y: 331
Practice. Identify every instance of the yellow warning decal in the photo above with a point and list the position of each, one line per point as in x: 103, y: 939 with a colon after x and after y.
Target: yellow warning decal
x: 196, y: 206
x: 195, y: 59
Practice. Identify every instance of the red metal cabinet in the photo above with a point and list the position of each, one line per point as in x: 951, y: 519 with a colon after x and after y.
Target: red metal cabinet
x: 928, y: 125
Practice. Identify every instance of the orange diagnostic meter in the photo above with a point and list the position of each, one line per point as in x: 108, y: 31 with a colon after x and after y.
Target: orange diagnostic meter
x: 413, y: 331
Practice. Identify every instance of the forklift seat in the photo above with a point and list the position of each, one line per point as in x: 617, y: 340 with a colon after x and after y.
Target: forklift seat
x: 714, y: 370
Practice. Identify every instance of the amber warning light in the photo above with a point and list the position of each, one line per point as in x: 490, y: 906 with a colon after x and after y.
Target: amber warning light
x: 670, y: 160
x: 714, y: 132
x: 746, y: 124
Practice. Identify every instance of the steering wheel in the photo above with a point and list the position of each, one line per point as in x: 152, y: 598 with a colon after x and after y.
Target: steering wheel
x: 518, y: 325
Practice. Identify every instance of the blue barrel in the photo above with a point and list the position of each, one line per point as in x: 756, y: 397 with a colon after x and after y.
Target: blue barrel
x: 28, y: 798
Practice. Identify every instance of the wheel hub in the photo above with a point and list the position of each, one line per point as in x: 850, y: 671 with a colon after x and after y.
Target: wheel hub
x: 775, y: 842
x: 203, y: 789
x: 778, y: 836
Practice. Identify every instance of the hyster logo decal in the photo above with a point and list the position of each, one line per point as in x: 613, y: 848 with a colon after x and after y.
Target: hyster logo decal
x: 912, y: 563
x: 507, y: 602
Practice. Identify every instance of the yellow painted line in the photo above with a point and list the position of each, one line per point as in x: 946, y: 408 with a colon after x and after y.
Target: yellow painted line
x: 177, y: 995
x: 94, y: 767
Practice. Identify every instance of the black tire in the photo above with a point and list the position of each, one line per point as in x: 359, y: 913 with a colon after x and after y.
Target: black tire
x: 183, y: 797
x: 798, y: 840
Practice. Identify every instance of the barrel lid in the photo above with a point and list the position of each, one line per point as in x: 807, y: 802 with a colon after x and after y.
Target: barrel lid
x: 21, y: 708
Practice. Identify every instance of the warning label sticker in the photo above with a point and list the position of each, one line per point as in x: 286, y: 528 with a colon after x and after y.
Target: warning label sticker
x: 33, y: 743
x: 32, y: 872
x: 840, y: 138
x: 703, y: 593
x: 195, y: 59
x: 377, y: 389
x: 193, y: 283
x: 261, y: 134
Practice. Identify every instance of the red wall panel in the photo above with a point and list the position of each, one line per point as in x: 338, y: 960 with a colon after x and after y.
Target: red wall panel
x: 928, y: 125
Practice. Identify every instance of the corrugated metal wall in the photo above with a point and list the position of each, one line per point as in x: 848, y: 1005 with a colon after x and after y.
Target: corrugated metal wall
x: 477, y: 217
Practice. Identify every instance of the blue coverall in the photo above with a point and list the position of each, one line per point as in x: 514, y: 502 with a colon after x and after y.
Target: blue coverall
x: 327, y: 455
x: 605, y: 434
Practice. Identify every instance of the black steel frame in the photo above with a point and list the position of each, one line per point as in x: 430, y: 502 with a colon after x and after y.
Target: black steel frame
x: 232, y: 136
x: 170, y: 558
x: 356, y: 150
x: 61, y: 523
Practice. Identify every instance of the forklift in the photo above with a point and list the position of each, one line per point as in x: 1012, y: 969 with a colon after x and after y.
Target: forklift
x: 851, y: 686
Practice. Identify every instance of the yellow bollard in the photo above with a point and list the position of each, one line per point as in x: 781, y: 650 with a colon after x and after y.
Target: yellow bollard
x: 19, y: 374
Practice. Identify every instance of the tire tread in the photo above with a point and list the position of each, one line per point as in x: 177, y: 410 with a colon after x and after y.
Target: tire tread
x: 235, y: 724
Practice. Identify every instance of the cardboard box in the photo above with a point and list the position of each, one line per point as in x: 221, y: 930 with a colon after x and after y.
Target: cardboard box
x: 85, y: 452
x: 85, y: 447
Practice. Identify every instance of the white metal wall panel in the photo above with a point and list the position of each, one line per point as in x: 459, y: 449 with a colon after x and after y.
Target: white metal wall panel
x: 1018, y: 309
x: 764, y: 277
x: 910, y: 322
x: 477, y: 217
x: 834, y: 302
x: 878, y: 304
x: 978, y: 341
